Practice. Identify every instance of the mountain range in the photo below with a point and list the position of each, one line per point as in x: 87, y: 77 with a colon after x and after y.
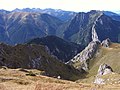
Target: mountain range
x: 20, y: 26
x: 67, y: 45
x: 61, y: 14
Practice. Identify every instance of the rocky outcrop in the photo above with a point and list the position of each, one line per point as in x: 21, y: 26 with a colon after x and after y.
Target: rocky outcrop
x: 85, y: 55
x: 106, y: 42
x: 104, y: 69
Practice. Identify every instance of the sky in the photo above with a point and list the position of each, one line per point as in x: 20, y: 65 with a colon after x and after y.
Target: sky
x: 69, y: 5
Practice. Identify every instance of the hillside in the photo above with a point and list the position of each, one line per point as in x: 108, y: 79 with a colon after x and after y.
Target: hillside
x: 58, y: 47
x: 36, y: 57
x: 95, y: 55
x: 14, y: 79
x: 109, y: 56
x: 100, y: 61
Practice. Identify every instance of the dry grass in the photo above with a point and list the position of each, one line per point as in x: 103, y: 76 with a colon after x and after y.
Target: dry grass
x: 13, y: 79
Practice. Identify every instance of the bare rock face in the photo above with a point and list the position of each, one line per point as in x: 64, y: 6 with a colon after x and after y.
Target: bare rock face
x: 106, y: 43
x: 88, y: 52
x: 85, y: 55
x: 104, y: 69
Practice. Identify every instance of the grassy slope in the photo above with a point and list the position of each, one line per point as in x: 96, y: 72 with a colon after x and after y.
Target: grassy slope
x: 13, y: 79
x: 110, y: 56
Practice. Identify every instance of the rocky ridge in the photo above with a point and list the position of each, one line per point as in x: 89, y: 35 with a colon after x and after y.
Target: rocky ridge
x: 84, y: 56
x: 106, y: 43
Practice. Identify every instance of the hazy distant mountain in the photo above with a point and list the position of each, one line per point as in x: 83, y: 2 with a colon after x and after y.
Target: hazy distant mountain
x: 4, y: 11
x: 60, y: 48
x: 113, y: 15
x: 61, y: 14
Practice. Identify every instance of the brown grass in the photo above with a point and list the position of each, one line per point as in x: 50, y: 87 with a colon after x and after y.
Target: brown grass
x: 13, y: 79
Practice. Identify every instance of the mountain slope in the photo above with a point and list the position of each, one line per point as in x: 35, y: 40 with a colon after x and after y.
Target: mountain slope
x: 79, y: 29
x: 92, y: 25
x: 108, y: 28
x: 20, y: 27
x: 35, y: 57
x: 60, y: 48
